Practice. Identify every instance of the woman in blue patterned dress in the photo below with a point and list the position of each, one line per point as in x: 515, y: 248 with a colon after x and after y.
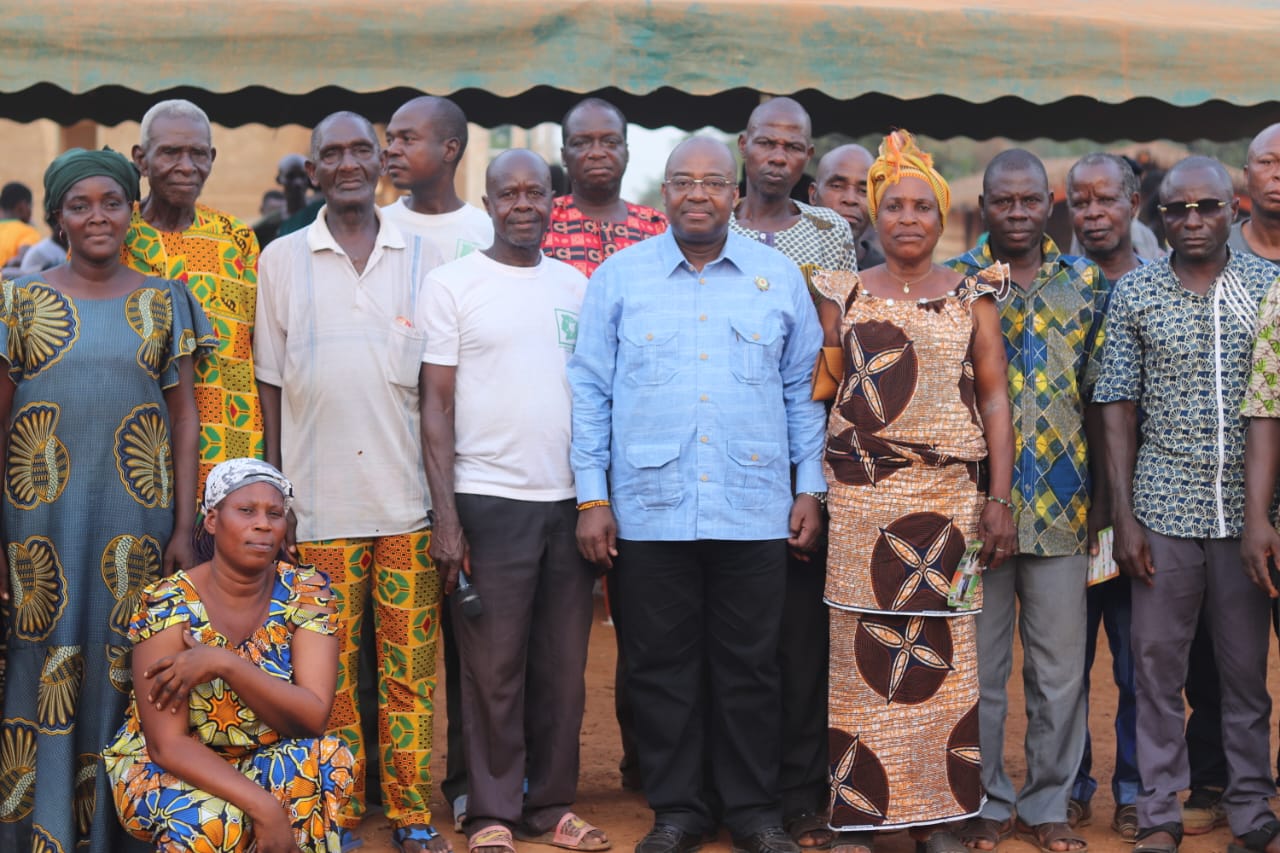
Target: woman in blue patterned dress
x: 234, y: 671
x: 99, y: 459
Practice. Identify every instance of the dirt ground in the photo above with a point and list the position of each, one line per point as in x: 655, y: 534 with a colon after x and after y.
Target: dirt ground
x: 626, y: 818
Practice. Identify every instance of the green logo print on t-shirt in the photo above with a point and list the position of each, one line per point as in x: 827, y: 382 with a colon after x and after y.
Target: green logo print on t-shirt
x: 567, y: 328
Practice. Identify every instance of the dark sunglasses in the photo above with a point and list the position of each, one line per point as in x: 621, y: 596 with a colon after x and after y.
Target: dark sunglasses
x: 1205, y: 207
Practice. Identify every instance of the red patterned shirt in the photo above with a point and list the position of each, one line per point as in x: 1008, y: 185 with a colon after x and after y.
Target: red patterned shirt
x: 586, y: 243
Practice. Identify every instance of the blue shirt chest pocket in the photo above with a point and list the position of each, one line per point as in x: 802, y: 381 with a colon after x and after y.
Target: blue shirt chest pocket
x: 657, y: 474
x: 648, y: 355
x: 755, y: 349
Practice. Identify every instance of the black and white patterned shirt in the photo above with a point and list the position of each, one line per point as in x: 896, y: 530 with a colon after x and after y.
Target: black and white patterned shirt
x: 1185, y: 359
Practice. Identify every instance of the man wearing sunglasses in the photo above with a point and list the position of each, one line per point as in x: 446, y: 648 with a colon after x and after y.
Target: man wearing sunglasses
x: 691, y: 404
x: 1179, y: 340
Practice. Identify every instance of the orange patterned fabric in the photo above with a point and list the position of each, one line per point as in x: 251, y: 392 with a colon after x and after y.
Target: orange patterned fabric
x: 400, y: 579
x: 904, y: 446
x: 217, y: 258
x: 310, y: 777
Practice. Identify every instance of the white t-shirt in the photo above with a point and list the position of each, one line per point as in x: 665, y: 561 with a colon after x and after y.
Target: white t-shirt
x: 509, y: 331
x: 457, y: 233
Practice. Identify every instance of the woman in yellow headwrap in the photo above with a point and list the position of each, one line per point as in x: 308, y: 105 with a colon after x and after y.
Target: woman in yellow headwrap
x: 919, y: 462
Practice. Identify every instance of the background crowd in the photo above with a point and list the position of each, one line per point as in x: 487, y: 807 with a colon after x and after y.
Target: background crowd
x: 256, y: 477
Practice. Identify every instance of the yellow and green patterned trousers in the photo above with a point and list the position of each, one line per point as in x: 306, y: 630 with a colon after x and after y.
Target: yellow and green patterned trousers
x: 397, y: 574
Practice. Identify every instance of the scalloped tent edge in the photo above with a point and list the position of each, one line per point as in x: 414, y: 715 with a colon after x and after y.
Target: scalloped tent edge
x: 1086, y: 68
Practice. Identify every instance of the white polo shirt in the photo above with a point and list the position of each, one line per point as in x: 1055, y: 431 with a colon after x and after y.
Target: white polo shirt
x: 346, y: 350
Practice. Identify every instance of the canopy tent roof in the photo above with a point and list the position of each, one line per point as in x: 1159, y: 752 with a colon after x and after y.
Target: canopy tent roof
x: 1080, y: 68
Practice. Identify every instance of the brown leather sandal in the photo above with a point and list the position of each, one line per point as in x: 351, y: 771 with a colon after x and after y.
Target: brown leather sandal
x: 985, y: 829
x: 1042, y: 835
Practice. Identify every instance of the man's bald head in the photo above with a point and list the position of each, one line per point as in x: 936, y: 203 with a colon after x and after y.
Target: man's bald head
x: 1262, y: 178
x: 442, y: 115
x: 1013, y: 160
x: 517, y: 196
x: 318, y: 133
x: 699, y: 191
x: 1268, y: 139
x: 781, y: 111
x: 845, y: 159
x: 1208, y: 172
x: 515, y: 159
x: 841, y: 185
x: 775, y: 148
x: 696, y: 146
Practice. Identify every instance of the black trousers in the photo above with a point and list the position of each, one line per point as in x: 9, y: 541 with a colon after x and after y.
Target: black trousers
x: 455, y: 767
x: 802, y: 662
x: 700, y: 628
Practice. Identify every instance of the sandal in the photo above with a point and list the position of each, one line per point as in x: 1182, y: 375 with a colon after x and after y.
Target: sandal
x: 1255, y: 840
x: 853, y: 842
x: 1125, y: 823
x: 1142, y: 845
x: 571, y: 833
x: 809, y: 825
x: 492, y: 837
x: 426, y: 836
x: 348, y: 841
x: 985, y: 829
x: 1079, y: 813
x: 1042, y: 835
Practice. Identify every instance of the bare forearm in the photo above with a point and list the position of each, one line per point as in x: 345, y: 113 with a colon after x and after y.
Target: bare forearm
x: 270, y: 422
x: 269, y: 398
x: 202, y: 768
x: 997, y: 423
x: 1095, y: 434
x: 436, y: 389
x: 184, y: 434
x: 1120, y: 427
x: 290, y: 709
x: 1261, y: 469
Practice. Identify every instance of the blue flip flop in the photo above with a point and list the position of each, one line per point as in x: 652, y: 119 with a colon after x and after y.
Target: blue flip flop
x: 421, y: 833
x: 349, y: 841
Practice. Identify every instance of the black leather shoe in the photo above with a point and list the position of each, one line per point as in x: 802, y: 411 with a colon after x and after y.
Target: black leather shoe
x: 665, y: 838
x: 771, y: 839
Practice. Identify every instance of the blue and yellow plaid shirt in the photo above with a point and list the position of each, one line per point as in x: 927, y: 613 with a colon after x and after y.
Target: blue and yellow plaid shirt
x: 1053, y: 338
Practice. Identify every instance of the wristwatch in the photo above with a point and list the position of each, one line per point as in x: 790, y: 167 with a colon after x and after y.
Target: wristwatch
x: 820, y: 497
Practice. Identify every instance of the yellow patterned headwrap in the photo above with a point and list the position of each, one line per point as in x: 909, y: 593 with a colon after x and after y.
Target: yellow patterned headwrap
x: 900, y: 157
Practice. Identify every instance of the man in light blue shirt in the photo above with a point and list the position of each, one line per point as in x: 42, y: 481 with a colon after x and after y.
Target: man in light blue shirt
x: 691, y: 413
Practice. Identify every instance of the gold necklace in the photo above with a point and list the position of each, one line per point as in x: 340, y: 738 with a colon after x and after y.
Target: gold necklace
x: 906, y: 285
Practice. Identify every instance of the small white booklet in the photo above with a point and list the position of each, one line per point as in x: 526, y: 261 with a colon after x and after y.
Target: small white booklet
x: 1102, y: 566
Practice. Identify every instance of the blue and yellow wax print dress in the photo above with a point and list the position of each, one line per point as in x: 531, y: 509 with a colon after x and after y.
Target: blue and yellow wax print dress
x: 88, y: 511
x: 311, y: 777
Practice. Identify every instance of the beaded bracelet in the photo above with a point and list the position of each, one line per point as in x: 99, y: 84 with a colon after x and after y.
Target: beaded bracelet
x: 592, y: 505
x: 1001, y: 501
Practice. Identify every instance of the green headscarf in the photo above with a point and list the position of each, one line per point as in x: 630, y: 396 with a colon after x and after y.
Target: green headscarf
x: 76, y: 164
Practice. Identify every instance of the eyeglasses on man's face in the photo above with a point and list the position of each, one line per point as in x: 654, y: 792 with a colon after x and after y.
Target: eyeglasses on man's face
x: 1205, y: 207
x: 714, y: 184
